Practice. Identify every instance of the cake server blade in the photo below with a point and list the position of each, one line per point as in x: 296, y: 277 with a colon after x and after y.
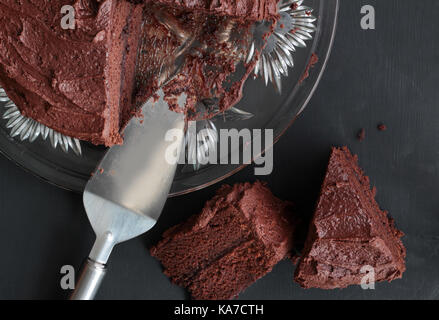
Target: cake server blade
x: 127, y: 193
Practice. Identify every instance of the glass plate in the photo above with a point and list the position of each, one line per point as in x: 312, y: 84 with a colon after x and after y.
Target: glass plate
x: 270, y: 109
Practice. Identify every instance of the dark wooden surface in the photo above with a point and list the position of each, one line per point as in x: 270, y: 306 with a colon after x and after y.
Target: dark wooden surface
x: 389, y: 75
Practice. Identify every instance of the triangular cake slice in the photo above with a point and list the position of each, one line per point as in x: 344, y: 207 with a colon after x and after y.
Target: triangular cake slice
x: 239, y: 236
x: 349, y: 233
x: 76, y: 81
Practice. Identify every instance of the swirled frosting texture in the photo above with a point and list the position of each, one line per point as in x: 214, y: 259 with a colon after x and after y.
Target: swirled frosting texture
x: 349, y: 232
x: 70, y: 79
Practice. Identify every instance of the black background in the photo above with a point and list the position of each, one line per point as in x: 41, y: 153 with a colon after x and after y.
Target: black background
x: 389, y: 75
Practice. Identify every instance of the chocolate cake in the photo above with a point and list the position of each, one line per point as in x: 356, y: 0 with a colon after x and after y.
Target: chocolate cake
x: 250, y: 10
x: 349, y: 231
x: 76, y: 81
x: 239, y: 236
x: 214, y: 73
x: 83, y: 82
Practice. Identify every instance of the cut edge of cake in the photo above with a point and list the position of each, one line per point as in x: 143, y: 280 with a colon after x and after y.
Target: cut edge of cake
x: 239, y: 236
x: 123, y: 36
x: 245, y: 10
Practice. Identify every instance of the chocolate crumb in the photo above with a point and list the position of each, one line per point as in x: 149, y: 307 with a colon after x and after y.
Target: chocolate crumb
x: 361, y: 135
x: 312, y: 62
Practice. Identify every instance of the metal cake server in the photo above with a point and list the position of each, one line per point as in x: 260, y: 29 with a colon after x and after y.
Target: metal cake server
x: 128, y: 191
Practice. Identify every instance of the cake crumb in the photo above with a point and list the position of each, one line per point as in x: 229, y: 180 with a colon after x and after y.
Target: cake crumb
x: 312, y: 62
x: 361, y: 135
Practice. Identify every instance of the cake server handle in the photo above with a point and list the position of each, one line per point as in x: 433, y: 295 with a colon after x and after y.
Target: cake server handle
x: 89, y: 281
x: 95, y: 267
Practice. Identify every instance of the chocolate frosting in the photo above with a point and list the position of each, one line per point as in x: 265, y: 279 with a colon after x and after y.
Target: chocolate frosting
x: 213, y: 74
x: 349, y: 231
x: 81, y: 82
x: 256, y: 10
x: 60, y: 77
x: 237, y: 238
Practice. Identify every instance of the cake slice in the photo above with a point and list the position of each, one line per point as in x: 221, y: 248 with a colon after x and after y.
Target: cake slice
x: 349, y: 231
x: 75, y: 81
x: 239, y: 236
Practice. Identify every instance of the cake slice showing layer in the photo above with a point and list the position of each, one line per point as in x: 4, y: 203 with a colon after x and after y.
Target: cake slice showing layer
x: 75, y: 81
x: 349, y: 233
x: 123, y: 36
x: 240, y: 235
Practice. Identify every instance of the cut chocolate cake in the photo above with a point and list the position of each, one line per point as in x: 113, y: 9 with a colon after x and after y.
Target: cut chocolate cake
x: 250, y: 10
x: 75, y: 81
x: 83, y: 82
x: 214, y: 70
x: 349, y: 231
x: 240, y: 235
